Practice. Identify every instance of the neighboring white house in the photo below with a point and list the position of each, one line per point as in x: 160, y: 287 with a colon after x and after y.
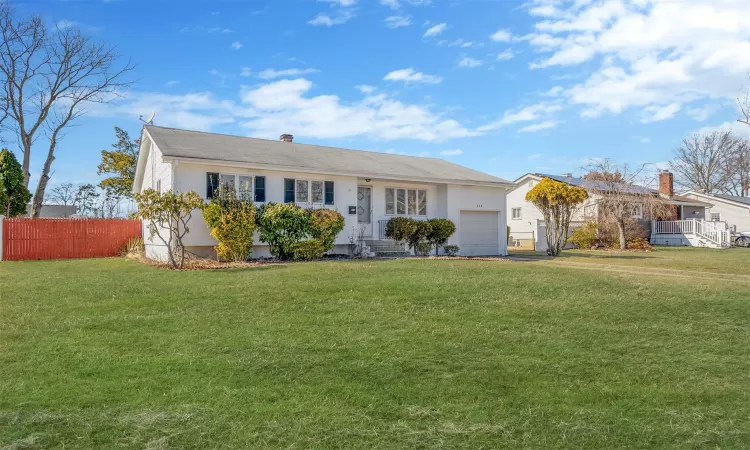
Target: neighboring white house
x: 733, y: 210
x: 526, y: 222
x: 367, y: 188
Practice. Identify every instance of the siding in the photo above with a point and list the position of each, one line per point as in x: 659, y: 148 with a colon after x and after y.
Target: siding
x: 156, y: 169
x: 732, y: 214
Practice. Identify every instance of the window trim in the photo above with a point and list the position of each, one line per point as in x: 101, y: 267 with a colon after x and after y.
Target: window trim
x: 711, y: 216
x: 406, y: 201
x: 513, y: 213
x: 237, y: 176
x: 639, y: 213
x: 309, y: 201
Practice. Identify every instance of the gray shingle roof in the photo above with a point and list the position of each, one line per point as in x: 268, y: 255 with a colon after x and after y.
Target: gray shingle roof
x: 734, y: 198
x: 314, y: 158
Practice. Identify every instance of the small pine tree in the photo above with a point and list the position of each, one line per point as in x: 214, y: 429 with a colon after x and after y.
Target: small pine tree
x: 14, y: 196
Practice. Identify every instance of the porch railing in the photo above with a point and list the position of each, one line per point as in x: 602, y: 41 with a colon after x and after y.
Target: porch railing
x: 717, y: 232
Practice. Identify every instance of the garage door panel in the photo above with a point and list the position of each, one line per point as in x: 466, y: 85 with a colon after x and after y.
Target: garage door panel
x: 479, y: 233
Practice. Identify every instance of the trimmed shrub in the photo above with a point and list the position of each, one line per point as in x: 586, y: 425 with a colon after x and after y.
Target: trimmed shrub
x: 419, y: 235
x: 451, y: 250
x: 232, y: 223
x: 586, y: 236
x: 640, y: 244
x: 325, y: 225
x: 440, y: 231
x: 423, y: 249
x: 308, y: 250
x: 400, y: 229
x: 283, y: 226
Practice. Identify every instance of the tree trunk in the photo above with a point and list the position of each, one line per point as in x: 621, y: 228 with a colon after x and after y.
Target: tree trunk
x: 44, y: 179
x: 621, y: 229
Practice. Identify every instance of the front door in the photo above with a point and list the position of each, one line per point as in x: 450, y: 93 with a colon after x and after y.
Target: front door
x: 364, y: 209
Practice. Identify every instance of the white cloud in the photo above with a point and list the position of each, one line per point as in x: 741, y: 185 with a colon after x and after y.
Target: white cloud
x: 236, y: 45
x: 700, y: 114
x: 393, y: 4
x: 534, y: 156
x: 505, y: 55
x: 393, y: 151
x: 469, y: 63
x: 460, y: 43
x: 740, y: 129
x: 283, y: 105
x: 171, y: 83
x: 554, y: 92
x: 342, y: 3
x: 547, y: 125
x: 642, y: 139
x: 652, y: 54
x: 339, y: 17
x: 455, y: 152
x: 435, y: 30
x: 410, y: 75
x: 658, y: 113
x: 245, y: 72
x: 527, y: 114
x: 501, y: 35
x: 65, y: 24
x: 269, y: 74
x: 397, y: 21
x: 196, y: 111
x: 365, y: 88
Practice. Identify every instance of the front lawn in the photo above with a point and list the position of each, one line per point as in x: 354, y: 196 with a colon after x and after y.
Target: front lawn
x: 733, y: 260
x: 370, y: 354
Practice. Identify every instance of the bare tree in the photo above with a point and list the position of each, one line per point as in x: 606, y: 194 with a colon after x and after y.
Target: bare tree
x: 743, y: 104
x: 47, y: 77
x: 63, y: 194
x: 620, y: 198
x: 700, y: 162
x: 737, y: 170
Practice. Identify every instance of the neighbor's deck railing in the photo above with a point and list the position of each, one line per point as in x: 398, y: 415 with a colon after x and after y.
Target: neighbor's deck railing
x: 717, y: 232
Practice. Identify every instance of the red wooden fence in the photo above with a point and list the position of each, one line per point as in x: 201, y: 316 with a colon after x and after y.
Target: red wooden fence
x: 31, y: 239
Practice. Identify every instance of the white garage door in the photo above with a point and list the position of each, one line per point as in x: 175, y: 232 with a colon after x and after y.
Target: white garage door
x: 479, y: 233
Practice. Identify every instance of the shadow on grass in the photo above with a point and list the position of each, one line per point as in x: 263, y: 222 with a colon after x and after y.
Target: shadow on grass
x: 599, y: 255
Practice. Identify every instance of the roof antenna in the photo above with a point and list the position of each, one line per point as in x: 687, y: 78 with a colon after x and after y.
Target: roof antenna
x: 150, y: 120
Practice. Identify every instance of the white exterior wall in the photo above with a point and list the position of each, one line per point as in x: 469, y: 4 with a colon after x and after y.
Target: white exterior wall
x: 190, y: 176
x: 443, y: 201
x: 156, y: 169
x: 378, y: 201
x: 731, y: 213
x: 477, y: 198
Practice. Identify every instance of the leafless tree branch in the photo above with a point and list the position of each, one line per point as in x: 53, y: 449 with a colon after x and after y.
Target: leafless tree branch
x: 47, y: 77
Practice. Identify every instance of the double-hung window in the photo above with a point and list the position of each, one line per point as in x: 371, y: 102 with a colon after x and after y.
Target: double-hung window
x: 515, y: 213
x: 402, y: 201
x: 246, y: 187
x: 315, y: 192
x: 715, y: 217
x: 638, y: 211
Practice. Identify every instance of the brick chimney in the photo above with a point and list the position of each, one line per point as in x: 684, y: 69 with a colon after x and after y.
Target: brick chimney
x: 666, y: 184
x: 287, y: 137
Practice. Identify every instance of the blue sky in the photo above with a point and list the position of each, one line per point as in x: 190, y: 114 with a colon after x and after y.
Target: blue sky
x: 505, y: 87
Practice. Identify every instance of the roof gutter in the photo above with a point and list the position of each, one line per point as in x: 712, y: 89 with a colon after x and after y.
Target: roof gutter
x: 215, y: 162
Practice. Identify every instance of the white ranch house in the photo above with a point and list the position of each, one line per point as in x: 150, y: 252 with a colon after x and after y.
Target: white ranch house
x: 367, y: 188
x: 690, y: 225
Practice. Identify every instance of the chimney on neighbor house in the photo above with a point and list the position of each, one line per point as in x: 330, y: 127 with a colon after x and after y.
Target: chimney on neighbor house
x: 666, y: 184
x: 287, y: 137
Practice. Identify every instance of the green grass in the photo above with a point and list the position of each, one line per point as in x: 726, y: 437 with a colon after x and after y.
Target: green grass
x: 732, y: 261
x: 387, y: 354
